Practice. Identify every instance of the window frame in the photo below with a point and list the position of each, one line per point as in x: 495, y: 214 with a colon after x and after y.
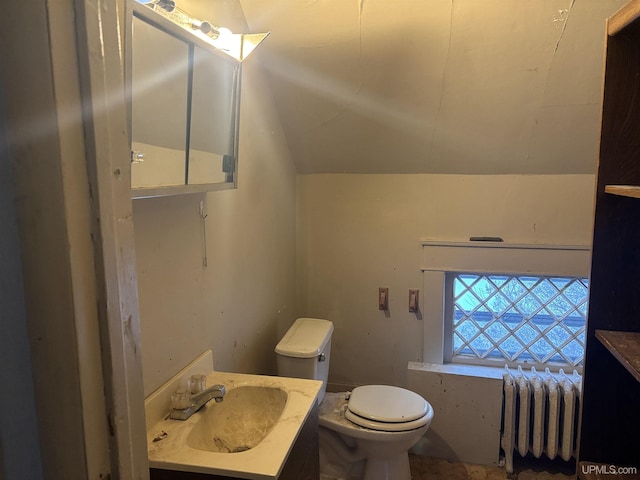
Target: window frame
x: 441, y: 258
x: 450, y: 278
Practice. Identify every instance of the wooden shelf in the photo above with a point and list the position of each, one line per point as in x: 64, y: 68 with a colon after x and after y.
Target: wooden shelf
x: 623, y: 190
x: 624, y: 17
x: 625, y: 346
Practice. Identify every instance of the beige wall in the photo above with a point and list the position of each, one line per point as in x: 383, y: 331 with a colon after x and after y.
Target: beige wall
x: 437, y: 86
x: 348, y: 235
x: 360, y: 232
x: 354, y: 233
x: 242, y: 302
x: 467, y: 406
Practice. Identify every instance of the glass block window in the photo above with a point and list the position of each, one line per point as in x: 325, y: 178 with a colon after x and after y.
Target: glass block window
x: 532, y: 319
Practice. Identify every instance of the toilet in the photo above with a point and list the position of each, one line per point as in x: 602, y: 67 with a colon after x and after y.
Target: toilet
x: 365, y: 433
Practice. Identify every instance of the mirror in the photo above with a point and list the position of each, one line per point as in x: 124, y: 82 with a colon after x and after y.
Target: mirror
x: 213, y: 119
x: 184, y: 110
x: 160, y: 89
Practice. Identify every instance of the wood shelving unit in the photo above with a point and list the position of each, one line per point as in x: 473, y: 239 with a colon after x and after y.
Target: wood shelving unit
x: 632, y: 191
x: 610, y: 407
x: 625, y: 346
x: 623, y: 18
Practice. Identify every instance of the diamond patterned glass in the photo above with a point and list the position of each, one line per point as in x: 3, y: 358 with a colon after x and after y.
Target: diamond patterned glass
x: 519, y: 318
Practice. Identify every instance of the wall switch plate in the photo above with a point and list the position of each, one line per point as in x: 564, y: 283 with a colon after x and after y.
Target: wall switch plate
x: 383, y: 298
x: 414, y: 301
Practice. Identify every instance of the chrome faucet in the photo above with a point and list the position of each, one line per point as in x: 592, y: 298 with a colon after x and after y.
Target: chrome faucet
x: 197, y: 401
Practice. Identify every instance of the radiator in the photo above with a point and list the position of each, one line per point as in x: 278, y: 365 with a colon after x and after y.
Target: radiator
x: 540, y: 412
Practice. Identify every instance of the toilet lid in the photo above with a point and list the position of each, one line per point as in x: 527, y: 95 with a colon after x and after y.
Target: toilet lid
x: 387, y: 426
x: 384, y: 403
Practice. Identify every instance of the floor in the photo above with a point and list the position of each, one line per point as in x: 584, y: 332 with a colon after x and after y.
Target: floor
x: 427, y: 468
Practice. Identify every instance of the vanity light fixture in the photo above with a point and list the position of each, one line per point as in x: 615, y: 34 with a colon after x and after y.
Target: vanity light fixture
x: 237, y: 45
x: 166, y: 5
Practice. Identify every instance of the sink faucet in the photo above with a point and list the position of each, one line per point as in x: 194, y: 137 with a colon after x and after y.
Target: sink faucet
x: 197, y: 401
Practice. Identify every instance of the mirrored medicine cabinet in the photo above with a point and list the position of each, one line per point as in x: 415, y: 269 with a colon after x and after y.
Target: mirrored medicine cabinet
x: 184, y: 99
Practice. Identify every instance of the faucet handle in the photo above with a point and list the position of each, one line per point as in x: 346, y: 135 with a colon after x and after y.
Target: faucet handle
x: 180, y: 399
x: 197, y: 383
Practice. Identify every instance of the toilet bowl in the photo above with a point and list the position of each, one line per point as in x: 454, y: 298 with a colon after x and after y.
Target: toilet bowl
x: 365, y: 433
x: 380, y: 448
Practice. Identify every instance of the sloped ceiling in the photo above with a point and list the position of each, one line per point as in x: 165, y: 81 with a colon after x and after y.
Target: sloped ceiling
x: 436, y: 86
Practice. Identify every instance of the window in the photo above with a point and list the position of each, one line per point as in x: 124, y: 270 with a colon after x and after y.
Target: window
x: 518, y: 318
x: 491, y: 303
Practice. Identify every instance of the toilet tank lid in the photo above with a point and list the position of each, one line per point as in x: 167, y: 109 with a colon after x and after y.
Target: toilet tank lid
x: 306, y: 338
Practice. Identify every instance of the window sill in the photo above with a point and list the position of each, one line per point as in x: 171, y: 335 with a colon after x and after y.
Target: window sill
x: 477, y: 371
x: 480, y: 371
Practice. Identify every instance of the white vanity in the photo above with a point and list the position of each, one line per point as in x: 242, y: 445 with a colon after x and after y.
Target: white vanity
x: 265, y: 428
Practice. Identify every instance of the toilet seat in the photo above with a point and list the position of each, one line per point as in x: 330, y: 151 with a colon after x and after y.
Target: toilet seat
x: 387, y: 408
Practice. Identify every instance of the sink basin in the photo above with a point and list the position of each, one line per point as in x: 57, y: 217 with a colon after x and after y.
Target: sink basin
x: 240, y: 422
x: 248, y: 435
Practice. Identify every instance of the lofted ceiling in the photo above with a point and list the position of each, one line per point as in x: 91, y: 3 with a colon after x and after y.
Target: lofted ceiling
x: 435, y: 86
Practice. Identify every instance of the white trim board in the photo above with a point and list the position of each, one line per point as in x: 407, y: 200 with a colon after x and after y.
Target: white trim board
x: 497, y: 257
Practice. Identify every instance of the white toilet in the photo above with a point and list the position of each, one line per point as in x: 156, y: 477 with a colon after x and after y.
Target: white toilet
x: 365, y: 433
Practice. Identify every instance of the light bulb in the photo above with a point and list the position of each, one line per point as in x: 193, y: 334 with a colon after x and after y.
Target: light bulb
x: 225, y: 34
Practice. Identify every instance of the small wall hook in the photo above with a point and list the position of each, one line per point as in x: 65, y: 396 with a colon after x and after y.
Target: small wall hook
x: 203, y: 216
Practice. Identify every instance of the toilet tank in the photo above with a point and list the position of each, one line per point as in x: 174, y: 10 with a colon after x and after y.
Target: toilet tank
x: 305, y: 349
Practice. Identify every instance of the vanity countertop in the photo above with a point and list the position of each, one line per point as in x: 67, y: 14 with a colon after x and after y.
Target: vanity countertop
x: 167, y: 439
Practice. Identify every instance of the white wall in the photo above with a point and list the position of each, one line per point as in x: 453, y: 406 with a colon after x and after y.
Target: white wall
x: 437, y: 86
x: 243, y: 301
x: 355, y: 233
x: 360, y: 232
x: 320, y: 245
x: 467, y: 404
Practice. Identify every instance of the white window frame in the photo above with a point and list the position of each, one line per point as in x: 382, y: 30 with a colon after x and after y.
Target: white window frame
x: 440, y: 258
